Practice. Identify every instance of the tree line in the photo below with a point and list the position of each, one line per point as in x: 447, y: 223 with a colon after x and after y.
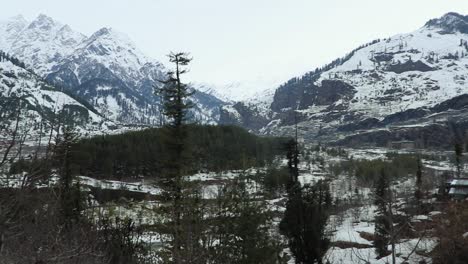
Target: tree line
x: 7, y: 57
x: 142, y: 153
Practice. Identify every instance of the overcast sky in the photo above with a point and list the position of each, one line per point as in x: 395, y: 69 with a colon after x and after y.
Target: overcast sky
x: 256, y: 42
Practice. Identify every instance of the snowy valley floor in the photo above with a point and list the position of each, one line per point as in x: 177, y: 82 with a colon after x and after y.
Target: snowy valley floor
x: 351, y: 228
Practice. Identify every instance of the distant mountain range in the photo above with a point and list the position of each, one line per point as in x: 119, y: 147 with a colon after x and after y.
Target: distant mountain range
x: 409, y: 87
x: 105, y: 69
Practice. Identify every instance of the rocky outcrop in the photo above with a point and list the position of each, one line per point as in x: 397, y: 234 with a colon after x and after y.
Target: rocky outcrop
x: 450, y: 23
x: 409, y: 66
x: 330, y: 92
x: 361, y: 125
x: 456, y: 103
x: 290, y: 94
x: 435, y: 136
x: 404, y: 116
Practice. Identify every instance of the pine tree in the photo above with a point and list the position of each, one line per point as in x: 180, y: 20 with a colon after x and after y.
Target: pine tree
x: 458, y: 147
x: 418, y: 192
x: 382, y: 223
x: 175, y: 94
x: 292, y: 155
x: 175, y: 98
x: 69, y: 192
x: 304, y: 222
x: 306, y: 214
x: 242, y: 228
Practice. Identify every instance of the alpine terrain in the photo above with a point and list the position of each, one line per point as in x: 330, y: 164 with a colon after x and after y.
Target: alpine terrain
x: 109, y: 156
x: 406, y: 87
x: 106, y: 69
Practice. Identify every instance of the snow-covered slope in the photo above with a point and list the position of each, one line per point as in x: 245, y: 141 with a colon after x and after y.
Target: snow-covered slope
x: 115, y: 52
x: 22, y: 90
x: 41, y: 43
x: 9, y: 30
x: 106, y: 69
x: 406, y: 71
x: 405, y: 76
x: 239, y: 91
x: 114, y: 76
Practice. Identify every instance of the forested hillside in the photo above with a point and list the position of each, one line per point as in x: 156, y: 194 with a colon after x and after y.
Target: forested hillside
x: 140, y: 153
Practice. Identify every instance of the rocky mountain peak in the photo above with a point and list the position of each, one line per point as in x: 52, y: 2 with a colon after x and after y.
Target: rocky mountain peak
x: 106, y: 69
x: 10, y: 28
x: 110, y: 34
x: 41, y: 43
x: 107, y: 40
x: 102, y: 32
x: 450, y: 23
x: 68, y: 37
x: 43, y: 22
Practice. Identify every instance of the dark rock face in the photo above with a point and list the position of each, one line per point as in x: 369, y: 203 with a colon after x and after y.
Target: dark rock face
x: 290, y: 117
x: 405, y: 116
x: 302, y: 94
x: 383, y: 57
x: 434, y: 136
x: 289, y: 95
x: 365, y: 124
x: 409, y: 66
x: 63, y: 78
x: 455, y: 103
x: 330, y: 92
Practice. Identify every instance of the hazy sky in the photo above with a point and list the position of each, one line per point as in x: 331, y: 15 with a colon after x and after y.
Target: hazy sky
x: 256, y: 42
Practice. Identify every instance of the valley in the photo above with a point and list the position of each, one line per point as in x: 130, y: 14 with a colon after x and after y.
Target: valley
x: 109, y: 156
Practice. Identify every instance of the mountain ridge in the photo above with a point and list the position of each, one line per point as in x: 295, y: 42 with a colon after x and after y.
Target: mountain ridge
x: 385, y: 77
x: 106, y: 69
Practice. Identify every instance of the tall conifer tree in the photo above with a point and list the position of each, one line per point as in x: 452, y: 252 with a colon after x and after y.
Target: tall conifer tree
x: 175, y: 97
x: 382, y: 220
x: 306, y: 214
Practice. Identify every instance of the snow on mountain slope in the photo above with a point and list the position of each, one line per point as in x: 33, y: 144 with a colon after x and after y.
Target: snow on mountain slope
x: 403, y: 78
x: 213, y: 90
x: 84, y: 65
x: 41, y: 43
x: 116, y: 52
x: 38, y: 100
x: 109, y: 59
x: 10, y: 29
x: 239, y: 91
x: 383, y: 89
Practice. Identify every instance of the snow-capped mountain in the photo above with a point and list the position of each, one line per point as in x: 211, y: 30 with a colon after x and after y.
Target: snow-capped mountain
x: 394, y: 82
x: 106, y: 69
x: 10, y: 29
x: 240, y: 91
x: 22, y: 90
x: 115, y: 52
x: 41, y: 43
